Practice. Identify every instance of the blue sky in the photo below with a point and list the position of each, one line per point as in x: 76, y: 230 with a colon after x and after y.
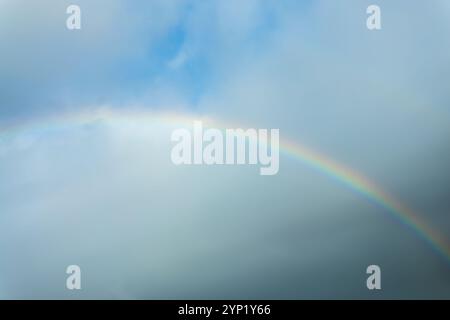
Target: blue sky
x: 133, y: 48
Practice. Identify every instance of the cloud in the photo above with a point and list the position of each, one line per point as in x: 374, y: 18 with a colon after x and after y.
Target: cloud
x: 178, y: 60
x: 122, y: 53
x: 58, y: 68
x: 105, y: 195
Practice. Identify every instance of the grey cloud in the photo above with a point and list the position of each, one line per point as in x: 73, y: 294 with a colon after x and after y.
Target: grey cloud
x: 140, y: 227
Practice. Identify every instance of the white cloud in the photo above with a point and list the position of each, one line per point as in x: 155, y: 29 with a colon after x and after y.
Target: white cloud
x: 179, y: 60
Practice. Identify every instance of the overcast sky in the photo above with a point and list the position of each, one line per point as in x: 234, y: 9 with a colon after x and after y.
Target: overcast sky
x: 105, y: 195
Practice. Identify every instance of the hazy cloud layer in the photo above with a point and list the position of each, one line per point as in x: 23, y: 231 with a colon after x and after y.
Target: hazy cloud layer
x: 106, y: 196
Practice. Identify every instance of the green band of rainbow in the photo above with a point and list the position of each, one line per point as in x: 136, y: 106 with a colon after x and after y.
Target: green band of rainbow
x: 346, y: 176
x: 371, y: 191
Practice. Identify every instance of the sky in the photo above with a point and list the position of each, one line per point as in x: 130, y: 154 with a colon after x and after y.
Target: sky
x: 103, y: 194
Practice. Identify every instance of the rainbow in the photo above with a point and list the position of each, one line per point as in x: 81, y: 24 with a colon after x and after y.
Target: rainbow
x: 344, y: 175
x: 362, y: 185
